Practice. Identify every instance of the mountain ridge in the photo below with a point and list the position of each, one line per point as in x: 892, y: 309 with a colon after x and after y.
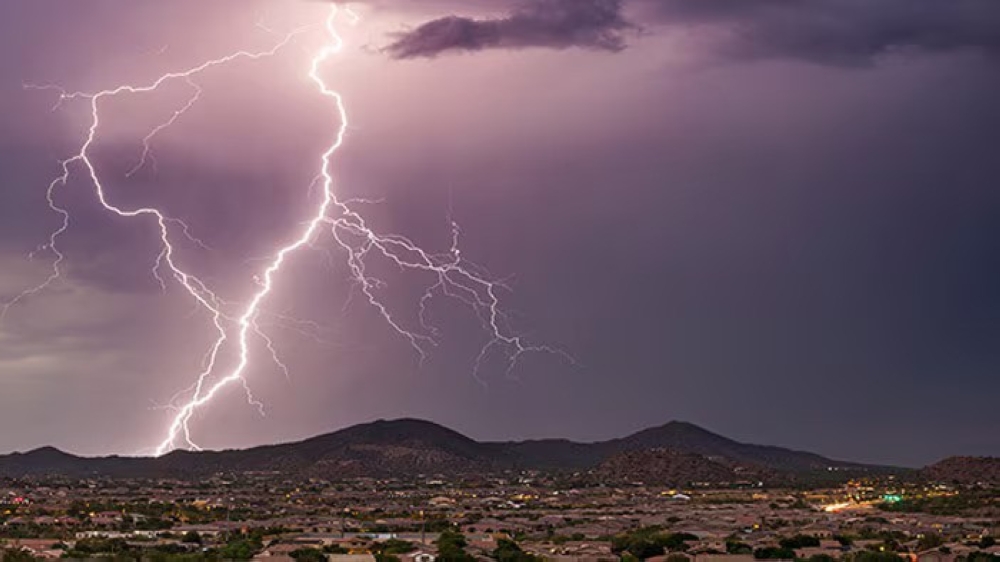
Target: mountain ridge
x: 965, y: 470
x: 408, y: 447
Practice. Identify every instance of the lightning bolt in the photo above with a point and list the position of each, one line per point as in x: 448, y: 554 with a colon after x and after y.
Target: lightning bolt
x: 453, y: 277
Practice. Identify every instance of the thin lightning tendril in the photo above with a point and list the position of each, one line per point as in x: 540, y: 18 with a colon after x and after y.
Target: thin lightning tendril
x: 453, y: 276
x: 147, y: 154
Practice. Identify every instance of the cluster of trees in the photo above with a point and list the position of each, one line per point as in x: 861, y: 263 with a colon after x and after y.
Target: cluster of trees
x: 774, y: 553
x: 799, y: 541
x: 929, y: 541
x: 308, y: 555
x: 15, y: 555
x: 390, y: 550
x: 978, y: 557
x: 844, y: 540
x: 241, y: 548
x: 562, y: 539
x: 120, y: 548
x: 89, y: 548
x: 510, y: 551
x: 734, y: 546
x: 29, y: 531
x: 238, y: 546
x: 959, y: 504
x: 650, y: 541
x: 451, y: 547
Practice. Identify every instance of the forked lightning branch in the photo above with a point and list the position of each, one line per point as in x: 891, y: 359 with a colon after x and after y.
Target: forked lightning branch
x: 333, y: 220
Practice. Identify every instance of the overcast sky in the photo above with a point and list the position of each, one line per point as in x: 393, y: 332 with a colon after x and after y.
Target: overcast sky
x: 779, y: 220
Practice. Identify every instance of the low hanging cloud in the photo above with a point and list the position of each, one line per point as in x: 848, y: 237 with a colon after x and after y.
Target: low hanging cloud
x: 556, y: 24
x: 833, y: 32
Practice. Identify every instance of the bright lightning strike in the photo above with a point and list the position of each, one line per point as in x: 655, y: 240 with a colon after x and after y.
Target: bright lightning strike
x: 453, y: 277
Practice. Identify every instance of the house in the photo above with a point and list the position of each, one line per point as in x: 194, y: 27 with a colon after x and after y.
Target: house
x: 672, y: 556
x: 810, y: 551
x: 280, y: 550
x: 103, y: 535
x: 351, y: 558
x: 565, y: 558
x: 266, y: 555
x: 441, y: 501
x: 355, y: 545
x: 724, y: 558
x: 203, y: 530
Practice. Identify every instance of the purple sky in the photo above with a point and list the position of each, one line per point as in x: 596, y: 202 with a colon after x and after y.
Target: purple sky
x: 779, y: 220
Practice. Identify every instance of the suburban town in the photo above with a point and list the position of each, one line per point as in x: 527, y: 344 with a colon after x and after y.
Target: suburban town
x: 514, y: 517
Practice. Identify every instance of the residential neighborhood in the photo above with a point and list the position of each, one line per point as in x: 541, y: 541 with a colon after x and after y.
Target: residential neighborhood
x: 522, y: 516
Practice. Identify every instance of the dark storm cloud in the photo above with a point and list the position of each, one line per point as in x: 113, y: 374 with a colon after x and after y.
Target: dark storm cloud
x: 837, y: 31
x: 559, y: 24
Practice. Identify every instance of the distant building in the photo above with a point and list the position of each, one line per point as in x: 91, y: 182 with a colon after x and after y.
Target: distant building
x: 724, y: 558
x: 351, y: 558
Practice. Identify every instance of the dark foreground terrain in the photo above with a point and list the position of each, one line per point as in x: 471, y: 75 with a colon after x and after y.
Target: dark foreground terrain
x: 413, y: 491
